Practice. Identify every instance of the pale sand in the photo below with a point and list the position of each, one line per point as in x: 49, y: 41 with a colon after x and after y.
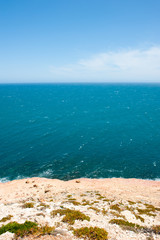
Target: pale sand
x: 129, y: 189
x: 55, y: 193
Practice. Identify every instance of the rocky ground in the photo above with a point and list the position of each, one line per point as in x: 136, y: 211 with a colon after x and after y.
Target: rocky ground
x: 128, y: 209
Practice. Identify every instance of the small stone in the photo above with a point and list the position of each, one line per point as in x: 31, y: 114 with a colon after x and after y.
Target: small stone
x: 46, y: 191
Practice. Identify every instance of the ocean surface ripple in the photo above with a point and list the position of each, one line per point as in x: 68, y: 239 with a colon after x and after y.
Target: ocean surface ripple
x: 68, y: 131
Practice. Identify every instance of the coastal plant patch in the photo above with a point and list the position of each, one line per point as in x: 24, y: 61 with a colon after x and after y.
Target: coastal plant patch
x: 115, y: 207
x: 83, y: 195
x: 126, y: 225
x: 70, y: 215
x: 28, y: 205
x: 43, y: 206
x: 95, y: 209
x: 131, y: 209
x: 138, y: 217
x: 73, y: 201
x: 107, y: 200
x: 26, y: 229
x: 146, y: 211
x: 100, y: 197
x: 91, y: 233
x: 117, y: 214
x: 19, y: 229
x: 7, y: 218
x: 69, y: 196
x: 104, y: 212
x: 95, y: 202
x: 135, y: 227
x: 131, y: 202
x: 85, y: 202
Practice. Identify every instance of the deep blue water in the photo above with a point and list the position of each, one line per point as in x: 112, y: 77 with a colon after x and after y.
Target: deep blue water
x: 72, y: 131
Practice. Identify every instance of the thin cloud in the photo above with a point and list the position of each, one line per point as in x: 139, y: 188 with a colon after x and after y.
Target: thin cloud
x: 124, y: 65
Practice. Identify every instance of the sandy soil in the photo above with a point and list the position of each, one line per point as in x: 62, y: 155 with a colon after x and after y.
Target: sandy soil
x: 56, y: 193
x: 132, y: 189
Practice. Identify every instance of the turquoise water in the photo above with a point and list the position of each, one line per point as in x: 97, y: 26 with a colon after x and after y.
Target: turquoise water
x: 72, y: 131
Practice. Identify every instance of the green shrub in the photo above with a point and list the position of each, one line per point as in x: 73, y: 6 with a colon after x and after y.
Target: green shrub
x: 100, y: 197
x: 116, y: 214
x: 70, y: 215
x: 19, y: 229
x: 44, y: 230
x: 126, y: 225
x: 73, y: 201
x: 91, y: 233
x: 95, y: 202
x: 69, y: 196
x: 146, y: 211
x: 85, y: 202
x: 43, y: 205
x: 139, y: 217
x: 150, y: 207
x: 95, y: 209
x: 107, y: 200
x: 28, y: 205
x: 131, y: 202
x: 4, y: 219
x: 115, y: 207
x: 104, y: 212
x: 135, y: 227
x: 82, y: 195
x: 26, y: 229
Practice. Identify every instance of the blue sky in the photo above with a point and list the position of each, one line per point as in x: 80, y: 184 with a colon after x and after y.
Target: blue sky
x: 79, y: 41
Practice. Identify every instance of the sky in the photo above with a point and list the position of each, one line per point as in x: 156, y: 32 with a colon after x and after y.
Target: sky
x: 79, y: 41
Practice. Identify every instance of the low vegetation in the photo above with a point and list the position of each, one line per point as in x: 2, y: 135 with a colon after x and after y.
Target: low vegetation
x: 107, y: 200
x: 139, y: 217
x: 69, y: 196
x: 70, y: 215
x: 99, y: 196
x: 117, y: 214
x: 135, y: 227
x: 131, y: 202
x: 26, y: 229
x: 7, y: 218
x: 73, y: 201
x: 28, y: 205
x: 104, y: 212
x: 115, y: 207
x: 95, y: 209
x: 43, y: 205
x: 95, y: 202
x: 83, y: 195
x: 91, y: 233
x: 126, y: 225
x: 146, y: 211
x: 85, y: 202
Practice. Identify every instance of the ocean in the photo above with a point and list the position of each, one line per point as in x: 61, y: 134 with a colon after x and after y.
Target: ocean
x: 68, y: 131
